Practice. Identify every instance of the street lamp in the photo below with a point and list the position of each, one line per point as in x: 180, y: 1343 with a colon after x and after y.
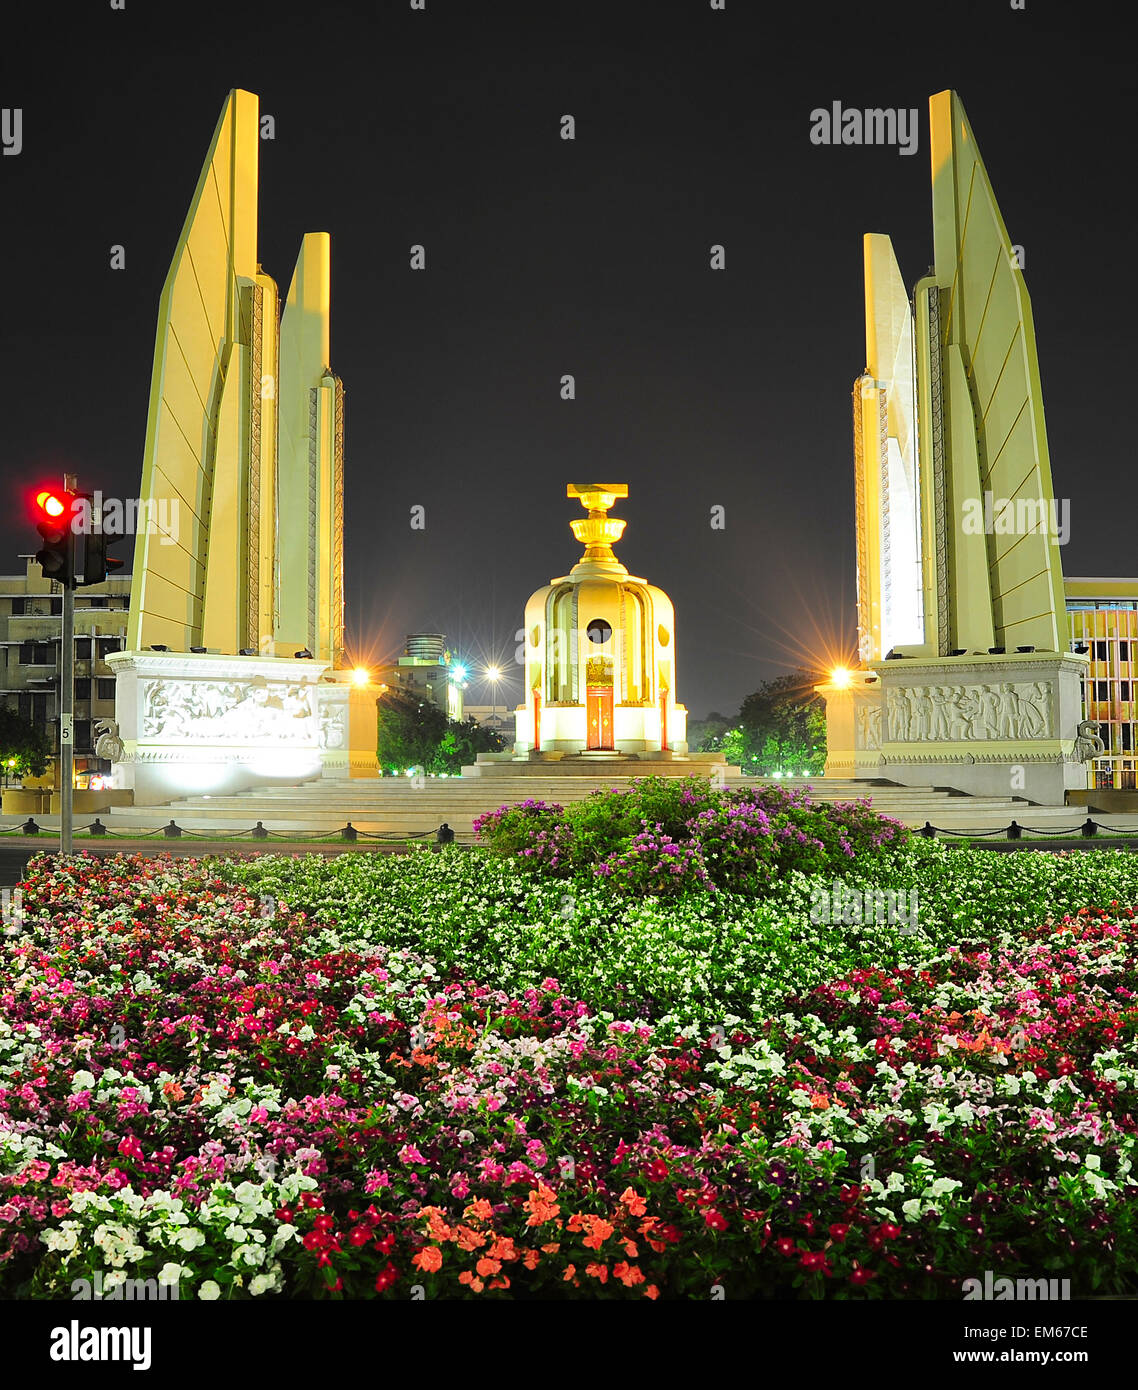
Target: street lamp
x: 494, y: 675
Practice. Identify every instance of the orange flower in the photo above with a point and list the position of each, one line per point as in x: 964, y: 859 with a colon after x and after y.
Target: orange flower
x: 467, y: 1278
x: 502, y: 1283
x: 429, y: 1258
x: 481, y: 1209
x: 628, y: 1274
x: 486, y: 1266
x: 468, y: 1239
x: 819, y: 1100
x: 540, y: 1205
x: 600, y: 1272
x: 503, y: 1249
x: 570, y: 1270
x: 552, y: 1248
x: 630, y: 1248
x: 632, y: 1199
x: 600, y: 1232
x: 651, y: 1291
x: 530, y: 1259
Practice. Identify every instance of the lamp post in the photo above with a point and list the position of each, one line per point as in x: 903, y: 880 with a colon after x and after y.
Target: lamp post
x: 494, y: 675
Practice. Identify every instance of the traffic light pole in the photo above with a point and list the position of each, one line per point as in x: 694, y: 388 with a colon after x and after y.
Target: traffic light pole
x: 67, y: 701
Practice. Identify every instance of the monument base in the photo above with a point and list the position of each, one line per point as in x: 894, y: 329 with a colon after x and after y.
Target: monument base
x: 190, y: 724
x: 986, y: 725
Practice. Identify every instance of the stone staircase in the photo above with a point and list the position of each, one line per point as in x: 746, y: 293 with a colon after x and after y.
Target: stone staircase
x: 399, y: 807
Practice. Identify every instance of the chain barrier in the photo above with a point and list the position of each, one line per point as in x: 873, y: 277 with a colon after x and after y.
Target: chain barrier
x: 346, y: 834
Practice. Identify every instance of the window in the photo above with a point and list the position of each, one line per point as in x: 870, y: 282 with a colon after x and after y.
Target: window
x: 82, y: 649
x: 1102, y: 690
x: 24, y: 708
x: 82, y: 735
x: 1124, y: 690
x: 1127, y: 737
x: 1124, y: 651
x: 108, y: 644
x: 17, y: 607
x: 96, y: 603
x: 598, y: 631
x: 105, y: 689
x: 83, y: 688
x: 57, y: 607
x: 27, y: 653
x: 1100, y: 651
x: 36, y: 654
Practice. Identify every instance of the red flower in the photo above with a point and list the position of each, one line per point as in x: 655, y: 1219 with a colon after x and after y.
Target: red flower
x: 839, y: 1231
x: 861, y: 1276
x: 715, y: 1220
x: 785, y: 1245
x: 386, y: 1277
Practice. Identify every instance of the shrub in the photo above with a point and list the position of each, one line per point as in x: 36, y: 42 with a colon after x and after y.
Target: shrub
x: 669, y: 835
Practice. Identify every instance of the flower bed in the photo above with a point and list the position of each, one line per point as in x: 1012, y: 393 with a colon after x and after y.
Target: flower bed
x: 201, y: 1084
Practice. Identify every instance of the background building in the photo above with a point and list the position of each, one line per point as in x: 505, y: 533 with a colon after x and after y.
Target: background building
x: 1103, y: 618
x: 31, y: 621
x: 426, y: 670
x: 498, y: 718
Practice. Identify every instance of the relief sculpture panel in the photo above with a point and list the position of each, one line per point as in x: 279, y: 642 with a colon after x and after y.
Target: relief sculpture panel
x: 1003, y: 711
x: 228, y: 712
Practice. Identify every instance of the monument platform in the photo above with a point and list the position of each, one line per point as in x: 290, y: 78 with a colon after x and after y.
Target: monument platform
x: 603, y: 765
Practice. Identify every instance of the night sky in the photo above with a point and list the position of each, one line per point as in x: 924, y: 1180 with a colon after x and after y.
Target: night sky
x: 591, y: 257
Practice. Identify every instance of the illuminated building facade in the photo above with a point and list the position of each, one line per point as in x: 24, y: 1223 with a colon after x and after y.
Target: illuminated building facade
x: 1103, y: 618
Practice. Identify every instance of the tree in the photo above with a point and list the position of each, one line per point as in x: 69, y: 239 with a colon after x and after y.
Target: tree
x: 784, y: 726
x: 463, y: 741
x: 22, y: 741
x: 416, y: 733
x: 706, y: 735
x: 409, y: 731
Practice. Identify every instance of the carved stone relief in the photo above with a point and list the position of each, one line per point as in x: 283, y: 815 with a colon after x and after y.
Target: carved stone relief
x: 228, y: 712
x: 955, y: 713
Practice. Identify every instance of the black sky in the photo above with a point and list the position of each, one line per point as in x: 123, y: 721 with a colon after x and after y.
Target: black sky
x: 544, y: 257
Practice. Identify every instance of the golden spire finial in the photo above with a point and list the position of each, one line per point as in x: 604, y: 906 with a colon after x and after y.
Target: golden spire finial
x: 599, y: 532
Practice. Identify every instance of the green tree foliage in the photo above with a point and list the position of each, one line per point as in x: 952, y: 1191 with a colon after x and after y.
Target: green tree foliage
x: 416, y: 733
x: 784, y: 726
x: 781, y: 727
x: 25, y: 743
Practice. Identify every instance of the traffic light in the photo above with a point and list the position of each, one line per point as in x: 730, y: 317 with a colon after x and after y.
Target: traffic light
x: 54, y: 507
x: 96, y: 564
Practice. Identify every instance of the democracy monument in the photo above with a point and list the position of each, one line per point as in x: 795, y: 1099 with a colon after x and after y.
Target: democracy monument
x: 231, y: 677
x: 234, y: 681
x: 966, y: 676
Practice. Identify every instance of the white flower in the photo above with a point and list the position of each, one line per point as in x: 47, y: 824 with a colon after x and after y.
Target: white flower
x: 249, y: 1254
x: 209, y: 1291
x: 63, y: 1239
x: 82, y: 1081
x: 912, y: 1209
x: 190, y: 1238
x: 172, y: 1274
x: 1092, y: 1161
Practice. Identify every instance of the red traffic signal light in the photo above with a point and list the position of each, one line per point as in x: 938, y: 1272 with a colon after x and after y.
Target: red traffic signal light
x: 50, y: 503
x: 54, y: 509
